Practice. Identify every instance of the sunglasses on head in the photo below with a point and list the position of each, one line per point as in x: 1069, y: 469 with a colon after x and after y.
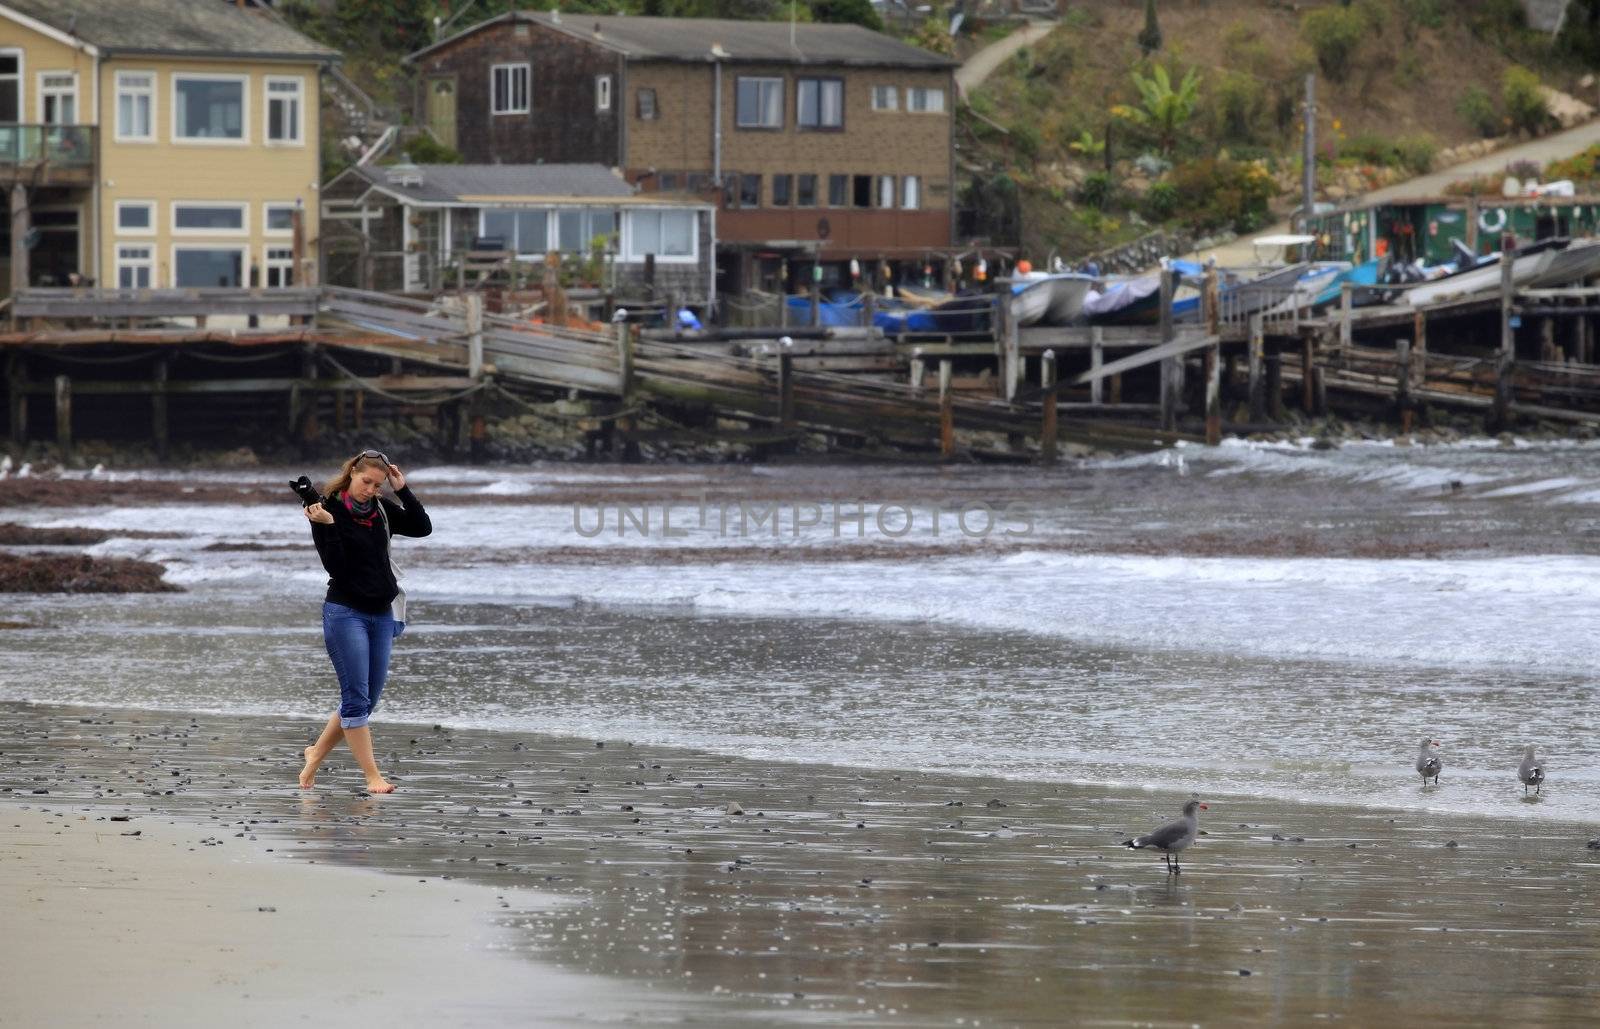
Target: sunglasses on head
x: 375, y: 455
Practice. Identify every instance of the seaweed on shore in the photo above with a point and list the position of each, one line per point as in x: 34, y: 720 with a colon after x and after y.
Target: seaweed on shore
x: 80, y: 573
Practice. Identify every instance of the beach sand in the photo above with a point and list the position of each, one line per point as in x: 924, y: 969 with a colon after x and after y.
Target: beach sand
x: 838, y: 895
x: 151, y: 921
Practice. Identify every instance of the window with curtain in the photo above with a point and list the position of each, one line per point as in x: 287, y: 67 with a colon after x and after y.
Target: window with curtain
x: 805, y: 194
x: 283, y: 110
x: 911, y: 193
x: 524, y: 232
x: 819, y: 103
x: 208, y: 108
x: 759, y: 103
x: 136, y: 97
x: 666, y: 234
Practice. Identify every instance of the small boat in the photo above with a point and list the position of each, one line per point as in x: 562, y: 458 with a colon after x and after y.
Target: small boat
x: 1049, y: 298
x: 1577, y: 261
x: 1125, y: 302
x: 1528, y: 265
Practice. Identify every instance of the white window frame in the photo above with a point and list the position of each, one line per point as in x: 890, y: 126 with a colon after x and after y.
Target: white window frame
x: 266, y: 218
x: 762, y: 81
x: 242, y: 206
x: 269, y: 263
x: 123, y: 230
x: 916, y: 94
x: 244, y: 112
x: 299, y: 97
x: 893, y: 95
x: 910, y: 193
x: 122, y: 262
x: 511, y: 88
x: 56, y: 91
x: 516, y: 244
x: 628, y: 250
x: 244, y: 261
x: 148, y: 92
x: 22, y: 78
x: 602, y: 92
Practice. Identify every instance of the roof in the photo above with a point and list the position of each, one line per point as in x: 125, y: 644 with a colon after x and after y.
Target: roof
x: 505, y: 183
x: 696, y: 39
x: 189, y: 28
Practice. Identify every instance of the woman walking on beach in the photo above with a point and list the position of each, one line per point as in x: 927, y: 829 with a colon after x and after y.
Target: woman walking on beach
x: 351, y: 529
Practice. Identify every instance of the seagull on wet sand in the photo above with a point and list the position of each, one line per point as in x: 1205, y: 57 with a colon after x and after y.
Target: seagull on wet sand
x: 1429, y: 765
x: 1530, y: 771
x: 1174, y: 837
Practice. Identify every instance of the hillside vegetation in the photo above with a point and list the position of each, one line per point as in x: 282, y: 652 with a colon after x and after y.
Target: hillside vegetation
x: 1103, y: 138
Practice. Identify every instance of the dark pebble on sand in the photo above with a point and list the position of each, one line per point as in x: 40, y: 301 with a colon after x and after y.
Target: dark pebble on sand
x: 266, y: 907
x: 1245, y: 971
x: 1452, y: 843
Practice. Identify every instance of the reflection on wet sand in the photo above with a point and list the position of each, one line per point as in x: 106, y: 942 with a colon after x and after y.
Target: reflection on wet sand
x: 907, y: 898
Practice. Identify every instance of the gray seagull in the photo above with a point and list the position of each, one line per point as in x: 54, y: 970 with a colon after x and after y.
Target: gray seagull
x: 1530, y: 772
x: 1174, y: 837
x: 1429, y: 765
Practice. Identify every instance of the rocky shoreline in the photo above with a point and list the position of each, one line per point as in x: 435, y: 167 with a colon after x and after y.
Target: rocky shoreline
x: 81, y: 573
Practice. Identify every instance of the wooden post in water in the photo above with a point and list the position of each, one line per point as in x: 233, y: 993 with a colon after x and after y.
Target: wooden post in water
x: 1097, y: 356
x: 1508, y: 337
x: 474, y: 317
x: 17, y: 400
x: 158, y: 408
x: 785, y: 390
x: 1258, y: 345
x: 20, y: 221
x: 1010, y: 353
x: 1308, y: 387
x: 64, y: 416
x: 918, y: 370
x: 1419, y: 349
x: 1347, y: 304
x: 1047, y: 421
x: 624, y: 360
x: 1213, y: 359
x: 1547, y: 339
x: 1402, y: 383
x: 1274, y: 364
x: 1169, y: 365
x: 947, y: 412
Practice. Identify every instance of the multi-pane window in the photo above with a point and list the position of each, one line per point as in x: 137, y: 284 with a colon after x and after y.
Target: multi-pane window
x: 781, y: 190
x: 749, y: 191
x: 280, y: 267
x: 11, y: 87
x: 647, y: 104
x: 285, y: 102
x: 911, y: 193
x: 885, y: 98
x: 204, y: 217
x: 759, y: 103
x: 136, y: 102
x: 523, y: 232
x: 838, y: 190
x: 58, y: 98
x: 137, y: 217
x: 508, y: 87
x: 135, y: 267
x: 805, y: 194
x: 602, y: 92
x: 819, y: 103
x: 577, y: 231
x: 208, y: 108
x: 923, y: 99
x: 279, y: 219
x: 666, y: 234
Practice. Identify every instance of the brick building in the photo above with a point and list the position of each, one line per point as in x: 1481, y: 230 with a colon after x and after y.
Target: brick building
x: 819, y: 143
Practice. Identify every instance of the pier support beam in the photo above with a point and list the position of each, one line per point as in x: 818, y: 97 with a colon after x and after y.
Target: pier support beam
x: 17, y: 399
x: 1402, y: 383
x: 64, y: 416
x: 1258, y: 346
x: 1097, y: 357
x: 1213, y: 361
x: 1171, y: 367
x: 947, y: 412
x: 1047, y: 421
x: 785, y: 391
x: 158, y: 409
x: 1274, y: 364
x: 1501, y: 417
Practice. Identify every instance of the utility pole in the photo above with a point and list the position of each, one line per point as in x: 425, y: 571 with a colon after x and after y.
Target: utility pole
x: 1308, y: 159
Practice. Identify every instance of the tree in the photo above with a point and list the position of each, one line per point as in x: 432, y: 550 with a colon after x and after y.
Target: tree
x: 851, y: 12
x: 1162, y: 110
x: 1150, y: 35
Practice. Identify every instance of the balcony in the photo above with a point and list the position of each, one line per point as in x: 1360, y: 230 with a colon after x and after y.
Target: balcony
x: 47, y: 155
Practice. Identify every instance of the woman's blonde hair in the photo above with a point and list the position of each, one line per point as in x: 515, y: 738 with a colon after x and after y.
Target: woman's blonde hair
x: 347, y: 471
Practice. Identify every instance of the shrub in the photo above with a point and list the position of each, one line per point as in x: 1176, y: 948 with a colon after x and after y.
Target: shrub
x: 1025, y: 141
x: 1161, y: 201
x: 1241, y: 108
x: 1477, y: 110
x: 1524, y: 101
x: 1334, y: 34
x: 1416, y: 153
x: 1580, y: 167
x: 1097, y: 191
x: 424, y: 149
x: 1218, y: 193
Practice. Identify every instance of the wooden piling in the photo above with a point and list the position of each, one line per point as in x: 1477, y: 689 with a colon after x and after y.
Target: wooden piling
x: 1347, y: 294
x: 1508, y: 338
x: 1308, y: 388
x: 1047, y: 421
x: 1096, y: 359
x: 918, y: 370
x: 1170, y: 367
x: 947, y: 412
x: 64, y: 416
x: 1213, y: 362
x: 1011, y: 366
x: 158, y: 409
x: 1258, y: 348
x: 474, y: 318
x: 17, y: 397
x: 19, y: 233
x: 624, y: 360
x: 1274, y: 363
x: 785, y: 390
x: 1547, y: 339
x: 1402, y: 383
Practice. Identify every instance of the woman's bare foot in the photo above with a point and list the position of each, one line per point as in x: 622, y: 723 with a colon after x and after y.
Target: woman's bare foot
x: 379, y: 786
x: 308, y: 774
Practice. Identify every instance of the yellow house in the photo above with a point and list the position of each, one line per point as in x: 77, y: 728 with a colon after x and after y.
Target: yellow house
x: 156, y: 143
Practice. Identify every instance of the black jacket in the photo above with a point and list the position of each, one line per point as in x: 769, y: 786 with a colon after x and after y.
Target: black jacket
x: 357, y: 556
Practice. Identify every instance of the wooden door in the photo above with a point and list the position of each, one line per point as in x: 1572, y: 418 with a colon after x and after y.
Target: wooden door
x: 442, y: 109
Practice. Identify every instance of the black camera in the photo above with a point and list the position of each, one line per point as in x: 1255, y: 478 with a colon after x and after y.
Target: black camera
x: 305, y: 491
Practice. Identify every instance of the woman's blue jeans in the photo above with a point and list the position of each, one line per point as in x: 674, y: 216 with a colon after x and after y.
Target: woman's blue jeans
x: 359, y: 646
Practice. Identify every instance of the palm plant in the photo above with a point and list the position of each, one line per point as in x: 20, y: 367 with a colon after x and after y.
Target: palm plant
x: 1162, y: 110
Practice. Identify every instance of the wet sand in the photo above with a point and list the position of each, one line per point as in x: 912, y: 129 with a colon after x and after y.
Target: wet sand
x: 841, y: 895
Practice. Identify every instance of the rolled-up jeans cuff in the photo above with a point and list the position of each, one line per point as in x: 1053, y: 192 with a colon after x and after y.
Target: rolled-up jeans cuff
x: 358, y: 722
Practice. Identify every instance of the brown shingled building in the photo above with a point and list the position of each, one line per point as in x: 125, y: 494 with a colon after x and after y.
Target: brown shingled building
x: 826, y: 142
